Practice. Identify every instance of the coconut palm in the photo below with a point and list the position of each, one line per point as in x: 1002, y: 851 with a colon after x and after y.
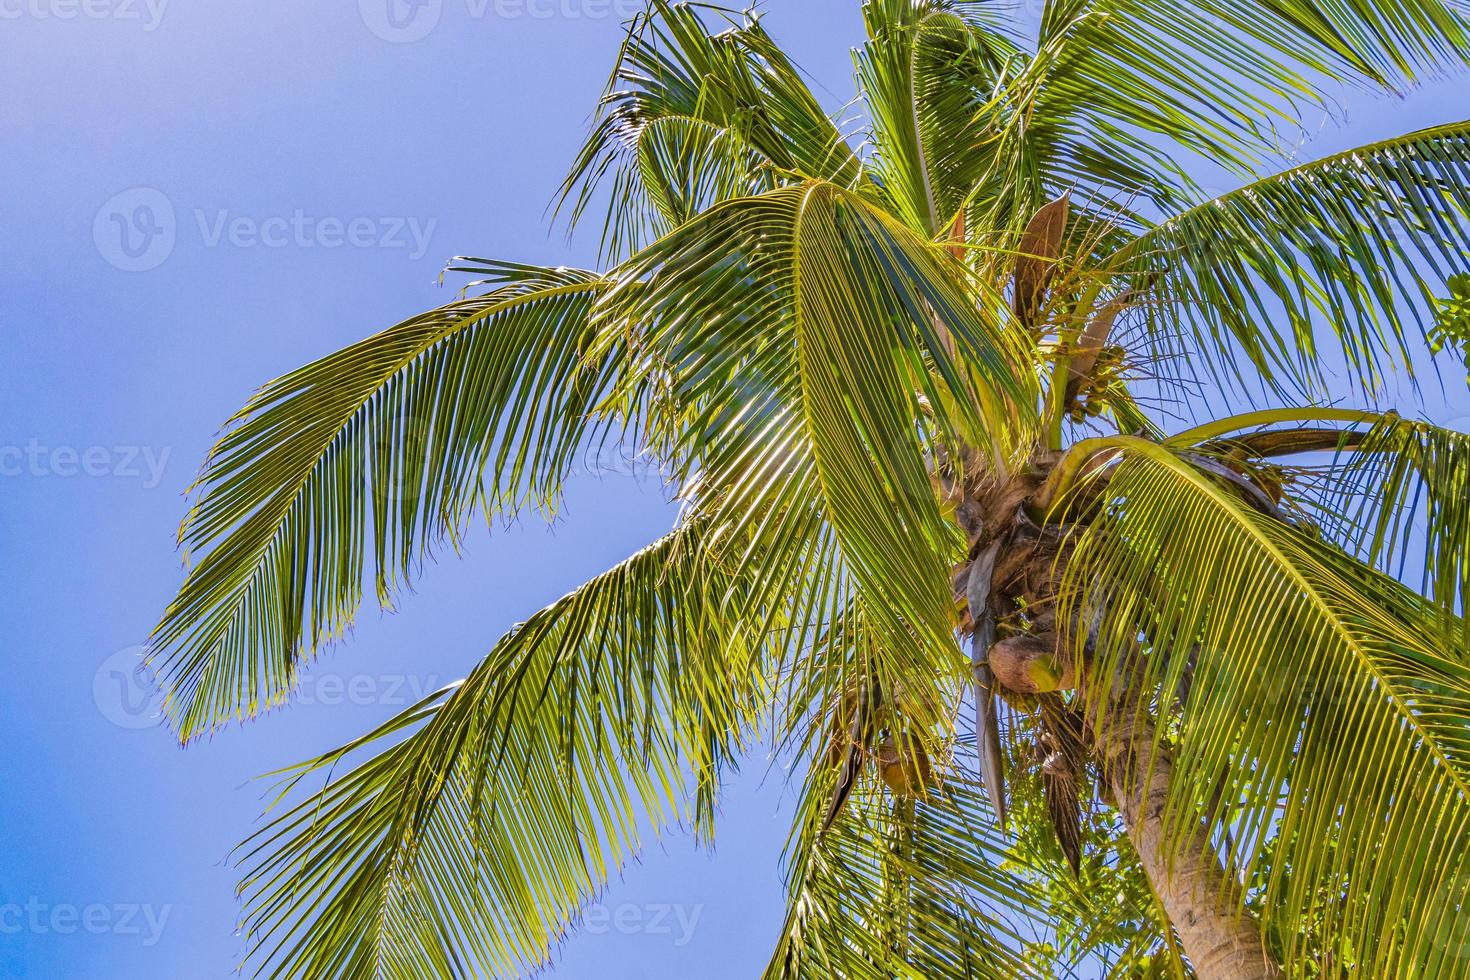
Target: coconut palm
x: 1073, y: 671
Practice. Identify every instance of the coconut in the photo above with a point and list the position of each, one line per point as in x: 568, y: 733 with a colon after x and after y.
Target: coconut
x: 1032, y: 664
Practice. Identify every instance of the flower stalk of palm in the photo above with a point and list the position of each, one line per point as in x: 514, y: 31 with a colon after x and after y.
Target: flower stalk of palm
x: 1018, y: 646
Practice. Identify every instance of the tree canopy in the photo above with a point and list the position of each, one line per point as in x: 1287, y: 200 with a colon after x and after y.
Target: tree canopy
x: 915, y: 374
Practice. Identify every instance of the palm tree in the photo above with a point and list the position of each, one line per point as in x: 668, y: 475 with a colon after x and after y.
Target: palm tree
x: 1067, y: 682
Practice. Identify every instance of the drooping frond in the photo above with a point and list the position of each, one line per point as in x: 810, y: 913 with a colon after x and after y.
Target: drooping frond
x: 367, y: 458
x: 691, y: 118
x: 1353, y: 246
x: 1413, y: 481
x: 907, y: 887
x: 1321, y: 698
x: 1394, y: 490
x: 467, y: 847
x: 1104, y: 918
x: 960, y: 151
x: 910, y: 882
x: 965, y: 121
x: 859, y: 308
x: 1384, y: 43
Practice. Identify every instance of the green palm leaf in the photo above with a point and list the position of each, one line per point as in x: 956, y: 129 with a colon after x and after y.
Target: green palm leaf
x: 791, y: 294
x: 1358, y: 243
x: 1320, y: 692
x: 467, y: 847
x: 1397, y: 487
x: 1414, y: 485
x: 908, y: 888
x: 691, y: 118
x: 379, y: 451
x: 1213, y: 75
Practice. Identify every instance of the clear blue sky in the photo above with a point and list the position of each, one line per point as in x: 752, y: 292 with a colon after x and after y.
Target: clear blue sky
x: 319, y: 161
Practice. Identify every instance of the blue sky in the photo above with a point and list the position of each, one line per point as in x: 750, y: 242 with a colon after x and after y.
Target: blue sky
x: 198, y: 197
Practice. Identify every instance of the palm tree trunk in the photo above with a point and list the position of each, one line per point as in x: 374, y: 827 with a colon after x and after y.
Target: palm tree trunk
x: 1201, y: 900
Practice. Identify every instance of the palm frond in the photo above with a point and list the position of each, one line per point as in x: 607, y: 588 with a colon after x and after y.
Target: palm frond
x: 367, y: 458
x: 1385, y: 44
x: 903, y: 887
x: 692, y: 117
x: 890, y: 69
x: 791, y: 294
x: 1321, y: 696
x: 1395, y: 489
x: 468, y: 847
x: 965, y: 122
x: 1214, y: 76
x: 1357, y: 244
x: 1412, y: 480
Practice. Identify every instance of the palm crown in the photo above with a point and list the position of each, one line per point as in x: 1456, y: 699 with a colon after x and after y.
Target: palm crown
x: 1019, y: 646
